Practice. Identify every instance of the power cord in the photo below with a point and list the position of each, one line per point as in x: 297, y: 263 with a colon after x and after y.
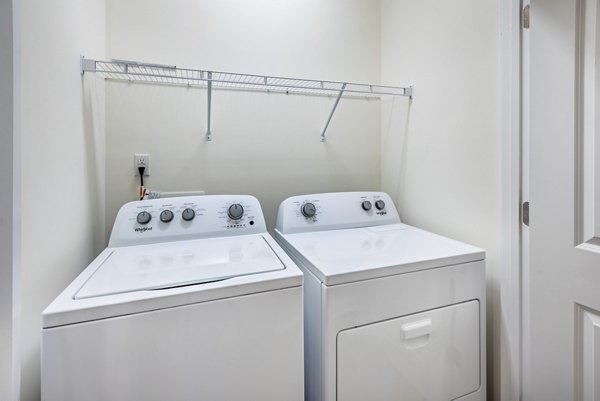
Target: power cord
x: 141, y: 170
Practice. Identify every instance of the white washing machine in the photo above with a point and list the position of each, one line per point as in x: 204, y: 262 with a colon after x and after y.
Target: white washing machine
x: 392, y: 312
x: 192, y: 300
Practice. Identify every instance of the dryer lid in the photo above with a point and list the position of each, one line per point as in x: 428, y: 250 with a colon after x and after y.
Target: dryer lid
x: 180, y: 263
x: 342, y: 256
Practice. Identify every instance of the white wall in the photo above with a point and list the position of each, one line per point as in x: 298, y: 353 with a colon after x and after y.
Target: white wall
x: 62, y: 159
x: 6, y: 200
x: 265, y: 145
x: 441, y: 155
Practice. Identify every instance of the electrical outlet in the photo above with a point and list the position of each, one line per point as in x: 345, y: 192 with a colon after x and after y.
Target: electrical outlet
x: 141, y: 160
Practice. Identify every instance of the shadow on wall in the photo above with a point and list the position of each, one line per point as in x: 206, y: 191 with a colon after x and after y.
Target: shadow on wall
x: 396, y: 113
x: 95, y: 155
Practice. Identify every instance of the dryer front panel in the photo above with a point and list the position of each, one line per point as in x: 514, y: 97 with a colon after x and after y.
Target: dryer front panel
x: 428, y: 356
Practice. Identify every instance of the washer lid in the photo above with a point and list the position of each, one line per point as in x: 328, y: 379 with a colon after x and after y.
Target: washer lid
x: 181, y: 263
x: 343, y: 256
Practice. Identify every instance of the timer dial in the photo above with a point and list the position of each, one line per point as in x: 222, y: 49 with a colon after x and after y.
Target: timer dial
x: 308, y: 210
x: 380, y: 204
x: 235, y: 211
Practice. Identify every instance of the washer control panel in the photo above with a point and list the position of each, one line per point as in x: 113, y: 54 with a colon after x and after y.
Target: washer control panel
x: 336, y: 210
x: 170, y: 219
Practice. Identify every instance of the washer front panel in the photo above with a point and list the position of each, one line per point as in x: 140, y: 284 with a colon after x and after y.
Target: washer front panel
x: 241, y: 348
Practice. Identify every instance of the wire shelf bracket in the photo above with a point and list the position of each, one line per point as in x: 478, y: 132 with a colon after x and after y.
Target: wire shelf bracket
x: 209, y: 102
x: 133, y: 71
x: 337, y: 100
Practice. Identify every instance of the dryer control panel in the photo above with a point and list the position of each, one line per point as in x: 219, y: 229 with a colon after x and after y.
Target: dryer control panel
x: 336, y: 210
x: 169, y: 219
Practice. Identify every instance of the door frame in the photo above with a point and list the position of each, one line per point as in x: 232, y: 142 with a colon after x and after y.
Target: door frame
x: 10, y: 181
x: 6, y: 199
x: 509, y: 324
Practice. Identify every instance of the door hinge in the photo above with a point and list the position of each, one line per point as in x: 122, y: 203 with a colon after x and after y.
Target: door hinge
x: 525, y: 213
x: 525, y: 17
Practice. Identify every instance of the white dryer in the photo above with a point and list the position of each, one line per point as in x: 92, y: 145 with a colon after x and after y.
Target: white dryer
x: 192, y: 300
x: 392, y: 312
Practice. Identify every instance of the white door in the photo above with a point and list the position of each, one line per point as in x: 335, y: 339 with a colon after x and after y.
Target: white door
x: 562, y: 276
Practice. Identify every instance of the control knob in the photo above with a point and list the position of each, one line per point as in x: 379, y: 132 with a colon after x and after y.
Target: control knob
x: 144, y: 217
x: 188, y: 214
x: 166, y: 216
x: 235, y: 211
x: 380, y: 204
x: 366, y: 205
x: 308, y: 210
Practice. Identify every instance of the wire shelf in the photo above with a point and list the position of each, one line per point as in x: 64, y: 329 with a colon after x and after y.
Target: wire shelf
x: 133, y: 71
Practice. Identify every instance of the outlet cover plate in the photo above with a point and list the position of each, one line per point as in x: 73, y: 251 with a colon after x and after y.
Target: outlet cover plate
x: 139, y: 160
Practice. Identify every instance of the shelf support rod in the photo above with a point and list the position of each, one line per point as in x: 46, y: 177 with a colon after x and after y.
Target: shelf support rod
x: 337, y: 100
x: 209, y: 94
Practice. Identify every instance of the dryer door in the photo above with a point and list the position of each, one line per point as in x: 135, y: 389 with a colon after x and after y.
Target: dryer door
x: 428, y: 356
